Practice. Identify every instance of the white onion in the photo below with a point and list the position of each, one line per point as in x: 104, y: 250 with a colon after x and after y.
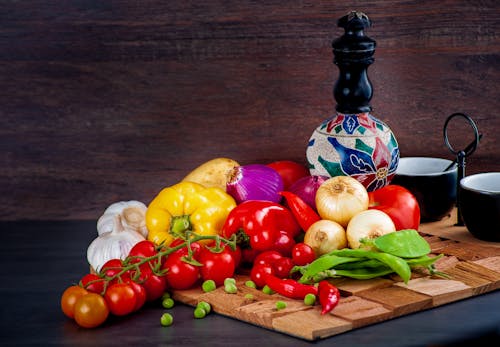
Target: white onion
x: 325, y: 236
x: 340, y: 198
x: 368, y: 224
x: 306, y: 188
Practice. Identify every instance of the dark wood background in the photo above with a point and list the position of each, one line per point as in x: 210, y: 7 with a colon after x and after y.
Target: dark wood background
x: 102, y: 101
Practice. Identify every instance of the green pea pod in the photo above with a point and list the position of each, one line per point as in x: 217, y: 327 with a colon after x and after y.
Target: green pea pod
x: 359, y: 274
x: 361, y: 264
x: 326, y: 262
x: 423, y: 261
x: 404, y: 243
x: 397, y: 264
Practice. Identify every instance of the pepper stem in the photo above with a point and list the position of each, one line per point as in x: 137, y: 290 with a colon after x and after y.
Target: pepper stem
x: 179, y: 225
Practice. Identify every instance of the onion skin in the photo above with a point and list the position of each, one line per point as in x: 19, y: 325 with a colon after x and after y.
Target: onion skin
x: 306, y: 188
x: 325, y: 236
x: 368, y: 224
x: 340, y: 198
x: 254, y: 182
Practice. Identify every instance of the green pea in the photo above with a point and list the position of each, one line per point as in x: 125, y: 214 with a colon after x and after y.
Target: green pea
x: 166, y: 319
x: 205, y: 306
x: 199, y: 312
x: 165, y: 295
x: 229, y: 280
x: 267, y: 290
x: 249, y: 296
x: 310, y: 299
x: 230, y: 288
x: 280, y: 305
x: 208, y: 286
x: 250, y: 284
x: 168, y: 303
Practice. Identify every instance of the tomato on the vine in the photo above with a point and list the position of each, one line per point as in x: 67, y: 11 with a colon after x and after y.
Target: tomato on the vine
x: 302, y: 254
x: 69, y: 298
x: 282, y: 267
x: 121, y: 299
x: 93, y: 283
x: 91, y: 310
x: 217, y: 266
x: 112, y: 268
x: 180, y: 274
x: 289, y: 171
x: 399, y: 203
x: 140, y: 294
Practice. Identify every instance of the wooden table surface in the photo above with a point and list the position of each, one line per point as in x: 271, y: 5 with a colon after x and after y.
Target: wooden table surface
x: 40, y: 259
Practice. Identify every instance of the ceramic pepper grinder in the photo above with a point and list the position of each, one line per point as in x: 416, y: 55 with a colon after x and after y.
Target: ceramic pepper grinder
x: 353, y: 142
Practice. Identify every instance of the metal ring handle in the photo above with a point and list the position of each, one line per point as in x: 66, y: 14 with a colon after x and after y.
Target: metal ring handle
x: 470, y: 149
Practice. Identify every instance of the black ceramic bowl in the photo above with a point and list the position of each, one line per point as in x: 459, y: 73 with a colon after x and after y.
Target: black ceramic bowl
x: 434, y: 188
x: 479, y: 199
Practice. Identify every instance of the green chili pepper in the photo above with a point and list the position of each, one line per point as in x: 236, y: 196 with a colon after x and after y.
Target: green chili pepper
x: 397, y: 264
x: 405, y: 244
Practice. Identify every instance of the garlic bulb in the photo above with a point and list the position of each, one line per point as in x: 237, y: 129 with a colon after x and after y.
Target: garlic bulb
x: 132, y: 216
x: 112, y: 244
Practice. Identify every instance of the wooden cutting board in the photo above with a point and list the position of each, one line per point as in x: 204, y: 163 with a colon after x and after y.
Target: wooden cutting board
x: 473, y: 267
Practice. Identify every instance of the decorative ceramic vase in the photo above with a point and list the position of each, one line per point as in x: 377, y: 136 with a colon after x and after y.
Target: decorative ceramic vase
x: 353, y: 142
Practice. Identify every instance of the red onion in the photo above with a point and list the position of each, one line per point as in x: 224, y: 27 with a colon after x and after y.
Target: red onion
x: 254, y: 182
x: 306, y: 188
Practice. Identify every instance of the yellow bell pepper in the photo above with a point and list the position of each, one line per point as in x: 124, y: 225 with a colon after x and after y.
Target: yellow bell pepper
x: 187, y: 206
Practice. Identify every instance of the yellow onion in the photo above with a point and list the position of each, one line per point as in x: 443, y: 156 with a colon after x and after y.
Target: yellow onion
x: 325, y: 236
x: 340, y: 198
x: 368, y: 224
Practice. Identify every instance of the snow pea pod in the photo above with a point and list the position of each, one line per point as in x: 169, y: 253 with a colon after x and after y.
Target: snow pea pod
x: 397, y: 264
x: 359, y: 274
x: 404, y: 243
x: 326, y: 262
x: 361, y: 264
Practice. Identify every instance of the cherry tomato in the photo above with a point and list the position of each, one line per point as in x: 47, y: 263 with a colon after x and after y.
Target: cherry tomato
x: 140, y: 294
x: 69, y: 297
x: 216, y: 266
x: 93, y: 283
x: 112, y: 268
x: 142, y: 249
x: 180, y: 275
x: 259, y: 272
x: 282, y: 267
x: 399, y: 203
x: 302, y: 254
x: 120, y: 298
x: 154, y: 285
x: 91, y: 310
x: 289, y: 171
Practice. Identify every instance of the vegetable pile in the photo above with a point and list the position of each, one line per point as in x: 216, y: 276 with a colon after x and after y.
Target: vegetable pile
x: 290, y: 232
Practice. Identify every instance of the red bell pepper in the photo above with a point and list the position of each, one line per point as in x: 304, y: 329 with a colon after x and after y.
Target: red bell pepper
x: 264, y: 225
x: 303, y: 213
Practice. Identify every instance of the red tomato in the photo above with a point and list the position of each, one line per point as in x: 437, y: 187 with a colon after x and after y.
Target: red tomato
x: 282, y: 267
x: 180, y: 275
x: 216, y: 266
x: 143, y: 249
x: 140, y: 294
x: 259, y: 272
x: 267, y: 257
x: 155, y: 286
x: 112, y: 268
x: 289, y: 171
x: 399, y: 204
x: 93, y: 283
x: 120, y: 298
x: 284, y: 244
x: 302, y: 254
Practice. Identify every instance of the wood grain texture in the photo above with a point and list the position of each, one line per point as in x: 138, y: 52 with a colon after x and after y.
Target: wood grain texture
x: 107, y: 101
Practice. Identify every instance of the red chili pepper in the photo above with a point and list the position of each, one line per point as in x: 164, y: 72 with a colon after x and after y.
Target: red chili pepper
x: 290, y: 288
x: 302, y: 212
x: 329, y: 296
x: 264, y: 223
